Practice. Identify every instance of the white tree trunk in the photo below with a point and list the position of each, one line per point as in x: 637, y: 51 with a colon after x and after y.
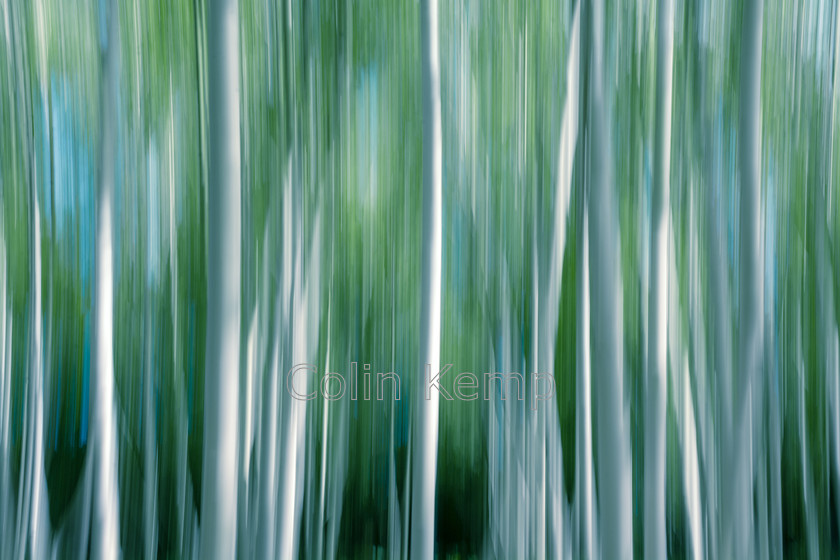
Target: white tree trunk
x: 33, y: 520
x: 292, y: 411
x: 584, y: 485
x: 834, y: 415
x: 751, y: 285
x: 657, y: 376
x: 266, y: 520
x: 5, y: 389
x: 547, y: 298
x: 614, y: 466
x: 275, y: 401
x: 426, y: 411
x: 304, y: 338
x: 105, y: 541
x: 565, y: 163
x: 221, y: 386
x: 7, y: 525
x: 691, y: 468
x: 319, y: 546
x: 719, y: 437
x: 149, y: 423
x: 106, y: 510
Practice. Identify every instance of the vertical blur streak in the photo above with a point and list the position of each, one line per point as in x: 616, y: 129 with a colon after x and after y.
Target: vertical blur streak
x: 425, y: 426
x: 106, y: 540
x: 30, y: 513
x: 614, y: 476
x: 219, y: 482
x: 751, y: 288
x: 5, y: 389
x: 656, y: 380
x: 585, y: 490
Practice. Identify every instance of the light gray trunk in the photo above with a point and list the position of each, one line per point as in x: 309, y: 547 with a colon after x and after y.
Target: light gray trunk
x: 319, y: 540
x: 656, y: 385
x: 424, y: 455
x: 548, y: 272
x: 221, y: 393
x: 149, y: 427
x: 584, y: 484
x: 304, y: 339
x: 31, y: 520
x: 5, y: 394
x: 720, y: 436
x: 105, y: 536
x: 394, y: 513
x: 291, y: 411
x: 34, y: 522
x: 275, y: 398
x: 614, y: 465
x: 751, y: 285
x: 268, y: 470
x: 150, y: 462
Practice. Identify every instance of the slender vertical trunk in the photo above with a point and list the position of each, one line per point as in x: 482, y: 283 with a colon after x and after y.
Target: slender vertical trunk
x: 548, y: 289
x: 695, y: 479
x: 426, y: 411
x: 614, y: 472
x: 774, y: 451
x: 6, y: 509
x: 31, y: 482
x: 149, y: 420
x: 584, y: 520
x: 221, y: 398
x: 106, y: 537
x: 751, y: 286
x: 6, y: 524
x: 319, y: 542
x: 834, y: 419
x: 585, y: 490
x: 657, y: 377
x: 337, y: 474
x: 5, y: 387
x: 718, y: 450
x: 266, y: 521
x: 394, y: 535
x: 37, y: 529
x: 181, y: 420
x: 292, y: 411
x: 537, y: 511
x: 565, y: 161
x: 274, y: 396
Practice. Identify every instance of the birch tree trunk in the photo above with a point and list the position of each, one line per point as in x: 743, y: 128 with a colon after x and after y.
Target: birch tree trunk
x: 717, y: 451
x: 614, y: 465
x: 34, y: 518
x: 751, y: 285
x: 6, y: 509
x: 584, y: 507
x: 5, y: 388
x: 266, y: 520
x: 31, y: 519
x: 584, y: 486
x: 221, y: 398
x: 105, y: 541
x: 549, y: 302
x: 657, y: 377
x: 149, y: 421
x: 426, y: 411
x: 41, y: 532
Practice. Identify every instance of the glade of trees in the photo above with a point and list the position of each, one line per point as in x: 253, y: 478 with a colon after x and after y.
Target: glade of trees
x: 638, y: 196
